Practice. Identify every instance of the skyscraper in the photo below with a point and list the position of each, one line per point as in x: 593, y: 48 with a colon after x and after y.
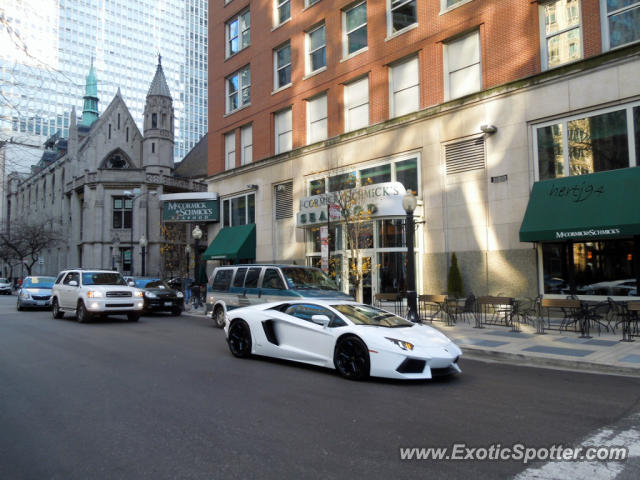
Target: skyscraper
x: 47, y: 47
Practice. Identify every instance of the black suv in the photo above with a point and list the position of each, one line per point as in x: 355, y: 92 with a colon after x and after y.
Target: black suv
x: 158, y: 295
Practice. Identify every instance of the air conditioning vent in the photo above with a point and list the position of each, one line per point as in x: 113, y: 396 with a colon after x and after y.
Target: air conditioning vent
x: 465, y: 156
x: 284, y: 200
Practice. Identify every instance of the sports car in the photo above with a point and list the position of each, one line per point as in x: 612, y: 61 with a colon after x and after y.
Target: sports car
x: 357, y: 340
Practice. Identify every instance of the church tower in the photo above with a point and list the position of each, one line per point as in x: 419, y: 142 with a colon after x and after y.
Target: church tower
x: 90, y: 107
x: 157, y: 146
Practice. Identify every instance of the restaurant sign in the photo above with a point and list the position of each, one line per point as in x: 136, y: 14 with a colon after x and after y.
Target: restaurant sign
x: 190, y: 211
x: 378, y: 200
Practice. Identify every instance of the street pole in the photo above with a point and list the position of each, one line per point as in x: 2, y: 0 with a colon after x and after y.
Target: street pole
x: 409, y: 203
x: 143, y: 249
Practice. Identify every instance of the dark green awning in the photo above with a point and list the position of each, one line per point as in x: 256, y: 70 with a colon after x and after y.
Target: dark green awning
x: 233, y: 243
x: 584, y: 207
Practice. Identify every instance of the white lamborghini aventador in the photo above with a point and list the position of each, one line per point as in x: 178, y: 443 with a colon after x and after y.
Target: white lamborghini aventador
x: 358, y: 340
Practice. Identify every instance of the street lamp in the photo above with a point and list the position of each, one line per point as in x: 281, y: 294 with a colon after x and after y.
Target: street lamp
x: 143, y: 248
x: 115, y: 253
x: 409, y: 203
x: 187, y: 250
x: 196, y: 233
x: 134, y: 195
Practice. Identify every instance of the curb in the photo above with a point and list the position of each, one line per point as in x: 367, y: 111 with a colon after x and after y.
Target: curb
x: 546, y: 362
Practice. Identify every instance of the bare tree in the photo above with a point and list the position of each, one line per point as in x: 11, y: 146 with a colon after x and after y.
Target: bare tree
x: 25, y: 239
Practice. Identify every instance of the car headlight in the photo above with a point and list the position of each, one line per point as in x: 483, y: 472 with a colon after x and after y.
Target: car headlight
x: 150, y: 295
x: 179, y: 295
x: 94, y: 294
x: 139, y: 293
x: 25, y: 295
x: 401, y: 343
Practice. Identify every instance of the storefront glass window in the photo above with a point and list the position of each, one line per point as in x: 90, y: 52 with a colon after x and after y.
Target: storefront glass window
x: 379, y: 174
x: 600, y: 268
x: 251, y: 208
x: 391, y: 233
x: 238, y: 211
x: 391, y: 272
x: 363, y: 231
x: 598, y: 143
x: 343, y: 181
x: 226, y: 219
x: 314, y: 242
x: 636, y: 130
x: 407, y: 174
x: 316, y: 187
x: 550, y: 155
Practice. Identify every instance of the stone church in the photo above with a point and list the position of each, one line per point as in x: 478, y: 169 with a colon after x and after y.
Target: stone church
x: 102, y: 188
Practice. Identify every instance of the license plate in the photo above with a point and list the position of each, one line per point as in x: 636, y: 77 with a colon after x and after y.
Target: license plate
x: 41, y: 302
x: 167, y: 304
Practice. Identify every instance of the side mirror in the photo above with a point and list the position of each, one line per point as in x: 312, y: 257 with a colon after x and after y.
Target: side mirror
x: 320, y: 320
x: 73, y: 283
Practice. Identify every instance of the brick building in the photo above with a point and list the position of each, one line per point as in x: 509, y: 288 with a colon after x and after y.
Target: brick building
x: 469, y: 103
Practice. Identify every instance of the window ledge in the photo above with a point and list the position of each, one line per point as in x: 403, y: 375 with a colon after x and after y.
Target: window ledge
x: 354, y: 54
x: 281, y: 24
x: 400, y: 32
x: 229, y: 57
x: 278, y: 90
x: 315, y: 72
x: 453, y: 7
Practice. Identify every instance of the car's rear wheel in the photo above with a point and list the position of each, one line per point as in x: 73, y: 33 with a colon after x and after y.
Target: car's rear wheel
x: 219, y: 317
x: 81, y: 313
x: 133, y: 316
x: 240, y: 339
x: 55, y: 309
x: 351, y: 358
x: 18, y: 305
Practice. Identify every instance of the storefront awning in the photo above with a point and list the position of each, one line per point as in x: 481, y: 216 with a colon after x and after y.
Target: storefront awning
x: 233, y: 243
x: 584, y: 207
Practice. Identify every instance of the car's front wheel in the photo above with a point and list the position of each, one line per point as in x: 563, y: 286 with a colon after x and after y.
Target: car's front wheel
x: 219, y: 317
x: 19, y: 305
x: 351, y: 358
x: 81, y: 313
x: 55, y: 309
x: 240, y: 339
x: 176, y: 312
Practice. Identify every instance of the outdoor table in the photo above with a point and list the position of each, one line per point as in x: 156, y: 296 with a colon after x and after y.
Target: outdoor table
x: 631, y: 315
x: 495, y: 310
x: 435, y: 304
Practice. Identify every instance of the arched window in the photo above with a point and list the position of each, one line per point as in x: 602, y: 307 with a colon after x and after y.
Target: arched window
x: 116, y: 160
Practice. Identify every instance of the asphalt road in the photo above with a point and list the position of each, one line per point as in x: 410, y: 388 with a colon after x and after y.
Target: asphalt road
x: 163, y: 399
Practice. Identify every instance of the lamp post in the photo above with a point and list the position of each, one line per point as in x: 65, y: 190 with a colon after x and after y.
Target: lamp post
x: 143, y: 251
x: 196, y: 233
x: 115, y: 252
x: 187, y: 251
x: 134, y: 195
x: 409, y: 203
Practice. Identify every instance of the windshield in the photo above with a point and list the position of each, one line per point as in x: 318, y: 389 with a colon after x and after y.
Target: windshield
x: 300, y: 277
x: 367, y: 315
x: 151, y: 283
x: 102, y: 278
x: 38, y: 282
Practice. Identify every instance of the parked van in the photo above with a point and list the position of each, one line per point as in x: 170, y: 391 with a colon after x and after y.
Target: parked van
x: 243, y: 285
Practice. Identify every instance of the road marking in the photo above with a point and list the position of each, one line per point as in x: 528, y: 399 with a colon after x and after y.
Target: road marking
x: 605, y: 437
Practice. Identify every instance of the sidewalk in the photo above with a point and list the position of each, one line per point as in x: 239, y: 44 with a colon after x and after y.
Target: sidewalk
x: 603, y: 353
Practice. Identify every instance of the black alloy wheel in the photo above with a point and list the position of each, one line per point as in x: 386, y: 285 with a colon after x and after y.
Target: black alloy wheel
x: 55, y: 309
x: 240, y: 339
x: 81, y: 313
x: 351, y: 358
x: 219, y: 317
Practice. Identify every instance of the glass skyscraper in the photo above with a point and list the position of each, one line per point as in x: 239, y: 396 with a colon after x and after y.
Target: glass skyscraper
x: 47, y: 46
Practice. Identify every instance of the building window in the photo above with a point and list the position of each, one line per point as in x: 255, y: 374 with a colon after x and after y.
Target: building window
x: 462, y: 66
x: 153, y: 147
x: 591, y: 143
x: 561, y: 42
x: 282, y: 11
x: 239, y: 210
x: 230, y: 150
x: 317, y: 123
x: 154, y: 120
x: 621, y: 22
x: 404, y: 83
x: 308, y: 3
x: 354, y: 27
x: 122, y: 211
x: 246, y: 138
x: 238, y: 87
x: 400, y: 15
x: 283, y: 130
x: 316, y: 49
x: 282, y: 66
x: 449, y: 4
x: 238, y: 32
x: 356, y: 104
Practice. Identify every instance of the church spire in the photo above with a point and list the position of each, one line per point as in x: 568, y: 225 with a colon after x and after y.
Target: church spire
x: 159, y: 83
x: 90, y: 108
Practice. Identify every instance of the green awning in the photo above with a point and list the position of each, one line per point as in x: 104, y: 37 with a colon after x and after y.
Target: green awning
x: 233, y: 243
x: 584, y: 207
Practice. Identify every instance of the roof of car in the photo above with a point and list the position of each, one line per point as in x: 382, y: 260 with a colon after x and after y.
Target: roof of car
x: 279, y: 265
